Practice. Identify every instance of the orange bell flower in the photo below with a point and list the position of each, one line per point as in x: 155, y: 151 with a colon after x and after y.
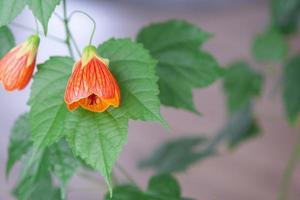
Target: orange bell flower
x: 91, y: 85
x: 17, y: 66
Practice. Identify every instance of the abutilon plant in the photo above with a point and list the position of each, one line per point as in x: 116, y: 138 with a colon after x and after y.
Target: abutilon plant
x: 91, y: 85
x: 81, y: 104
x: 17, y: 66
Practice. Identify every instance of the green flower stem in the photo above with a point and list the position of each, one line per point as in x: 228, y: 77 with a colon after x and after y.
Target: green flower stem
x: 67, y: 30
x: 93, y: 21
x: 288, y: 173
x: 52, y: 37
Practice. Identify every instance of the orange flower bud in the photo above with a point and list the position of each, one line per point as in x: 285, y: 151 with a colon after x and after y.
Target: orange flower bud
x: 91, y: 85
x: 17, y: 66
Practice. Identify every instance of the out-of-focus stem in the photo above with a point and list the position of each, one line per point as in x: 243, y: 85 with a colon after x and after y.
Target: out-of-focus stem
x: 126, y: 174
x: 52, y: 37
x: 67, y: 30
x: 288, y: 173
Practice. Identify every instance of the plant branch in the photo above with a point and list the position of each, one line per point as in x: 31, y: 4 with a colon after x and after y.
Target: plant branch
x: 52, y: 37
x: 67, y: 30
x: 288, y: 173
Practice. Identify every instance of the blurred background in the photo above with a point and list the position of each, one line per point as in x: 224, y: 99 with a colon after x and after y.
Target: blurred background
x: 252, y: 171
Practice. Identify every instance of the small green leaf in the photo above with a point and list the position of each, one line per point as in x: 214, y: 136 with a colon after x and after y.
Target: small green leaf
x: 48, y: 111
x: 181, y: 65
x: 270, y: 46
x: 285, y: 15
x: 9, y: 9
x: 7, y: 40
x: 164, y: 185
x: 20, y: 141
x: 160, y: 187
x: 176, y: 155
x: 126, y: 192
x: 291, y: 92
x: 241, y: 85
x: 240, y: 127
x: 43, y: 9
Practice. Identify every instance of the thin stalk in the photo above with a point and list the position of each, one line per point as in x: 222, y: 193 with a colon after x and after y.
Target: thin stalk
x: 52, y: 37
x: 288, y: 172
x: 126, y: 174
x: 75, y: 44
x: 93, y: 21
x: 67, y: 30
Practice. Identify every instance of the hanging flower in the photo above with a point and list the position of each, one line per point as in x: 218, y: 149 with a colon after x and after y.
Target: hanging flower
x: 91, y: 85
x: 17, y: 66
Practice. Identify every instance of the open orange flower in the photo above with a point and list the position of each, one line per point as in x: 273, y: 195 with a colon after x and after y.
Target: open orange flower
x: 91, y: 85
x: 17, y: 66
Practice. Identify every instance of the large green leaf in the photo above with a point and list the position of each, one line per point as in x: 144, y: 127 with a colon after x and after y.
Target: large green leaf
x: 270, y: 46
x: 9, y: 9
x: 20, y: 142
x: 43, y: 9
x: 160, y: 187
x: 177, y: 155
x: 7, y: 40
x: 285, y: 15
x: 97, y: 138
x: 241, y: 85
x: 134, y: 69
x: 181, y: 65
x: 48, y: 110
x: 291, y: 92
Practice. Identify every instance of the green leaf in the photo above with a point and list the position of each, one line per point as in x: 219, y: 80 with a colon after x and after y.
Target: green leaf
x: 126, y: 192
x: 7, y: 40
x: 63, y: 163
x: 240, y: 127
x: 48, y: 111
x: 270, y: 46
x: 160, y: 187
x: 37, y: 169
x: 41, y: 189
x: 241, y: 85
x: 33, y: 174
x: 43, y: 9
x: 134, y: 69
x: 176, y: 155
x: 97, y: 138
x: 20, y: 142
x: 164, y: 185
x: 181, y: 65
x: 291, y: 92
x: 9, y: 9
x: 285, y: 15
